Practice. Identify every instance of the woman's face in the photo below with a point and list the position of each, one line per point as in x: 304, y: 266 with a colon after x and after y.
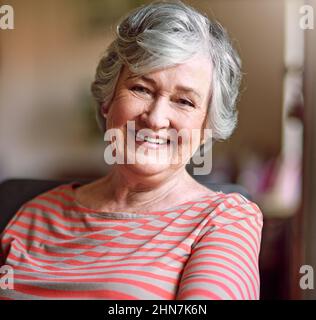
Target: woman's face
x: 169, y: 106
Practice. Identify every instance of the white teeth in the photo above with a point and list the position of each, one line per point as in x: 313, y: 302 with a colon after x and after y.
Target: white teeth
x: 151, y: 140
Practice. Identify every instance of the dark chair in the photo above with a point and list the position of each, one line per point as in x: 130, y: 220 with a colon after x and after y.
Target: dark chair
x: 15, y: 192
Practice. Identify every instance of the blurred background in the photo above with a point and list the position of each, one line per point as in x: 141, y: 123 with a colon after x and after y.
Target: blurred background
x: 48, y: 127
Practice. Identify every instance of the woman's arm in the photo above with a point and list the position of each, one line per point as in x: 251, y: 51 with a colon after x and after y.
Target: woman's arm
x: 224, y: 263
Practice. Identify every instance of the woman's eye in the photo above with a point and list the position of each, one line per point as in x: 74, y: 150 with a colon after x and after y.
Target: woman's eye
x: 141, y: 89
x: 186, y: 102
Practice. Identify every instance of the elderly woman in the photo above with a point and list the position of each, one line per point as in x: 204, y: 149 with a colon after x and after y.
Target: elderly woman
x: 147, y: 230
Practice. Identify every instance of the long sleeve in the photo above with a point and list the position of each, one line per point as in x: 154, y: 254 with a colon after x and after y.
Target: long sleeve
x: 224, y: 262
x: 61, y: 250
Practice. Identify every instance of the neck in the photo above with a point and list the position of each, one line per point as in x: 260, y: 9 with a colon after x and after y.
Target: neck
x: 128, y: 190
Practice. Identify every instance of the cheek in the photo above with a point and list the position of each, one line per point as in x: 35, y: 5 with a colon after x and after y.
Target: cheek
x: 195, y: 129
x: 194, y: 124
x: 124, y: 109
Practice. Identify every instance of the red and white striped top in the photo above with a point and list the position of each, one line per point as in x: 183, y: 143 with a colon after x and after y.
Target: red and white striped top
x: 202, y: 249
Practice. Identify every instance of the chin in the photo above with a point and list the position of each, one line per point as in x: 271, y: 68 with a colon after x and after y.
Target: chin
x: 149, y: 169
x: 147, y: 162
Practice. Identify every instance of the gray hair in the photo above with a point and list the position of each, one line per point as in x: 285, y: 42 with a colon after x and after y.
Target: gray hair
x: 164, y: 34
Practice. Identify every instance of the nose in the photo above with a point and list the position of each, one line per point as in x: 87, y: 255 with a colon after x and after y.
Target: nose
x: 157, y: 114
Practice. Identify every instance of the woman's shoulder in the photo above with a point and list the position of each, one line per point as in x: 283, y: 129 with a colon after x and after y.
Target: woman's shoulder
x: 55, y: 199
x: 62, y: 194
x: 217, y: 197
x: 232, y: 207
x: 45, y: 208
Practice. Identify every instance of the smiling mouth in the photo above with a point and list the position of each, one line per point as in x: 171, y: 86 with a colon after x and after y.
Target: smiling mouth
x: 152, y: 140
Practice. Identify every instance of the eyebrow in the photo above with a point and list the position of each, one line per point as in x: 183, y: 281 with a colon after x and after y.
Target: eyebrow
x: 179, y: 87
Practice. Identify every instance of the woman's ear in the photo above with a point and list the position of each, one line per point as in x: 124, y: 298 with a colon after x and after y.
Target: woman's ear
x: 104, y: 110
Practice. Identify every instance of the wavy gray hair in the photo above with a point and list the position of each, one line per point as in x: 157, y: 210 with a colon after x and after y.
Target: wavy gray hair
x: 164, y: 34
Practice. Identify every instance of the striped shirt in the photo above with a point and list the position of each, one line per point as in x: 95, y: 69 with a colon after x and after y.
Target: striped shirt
x: 202, y: 249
